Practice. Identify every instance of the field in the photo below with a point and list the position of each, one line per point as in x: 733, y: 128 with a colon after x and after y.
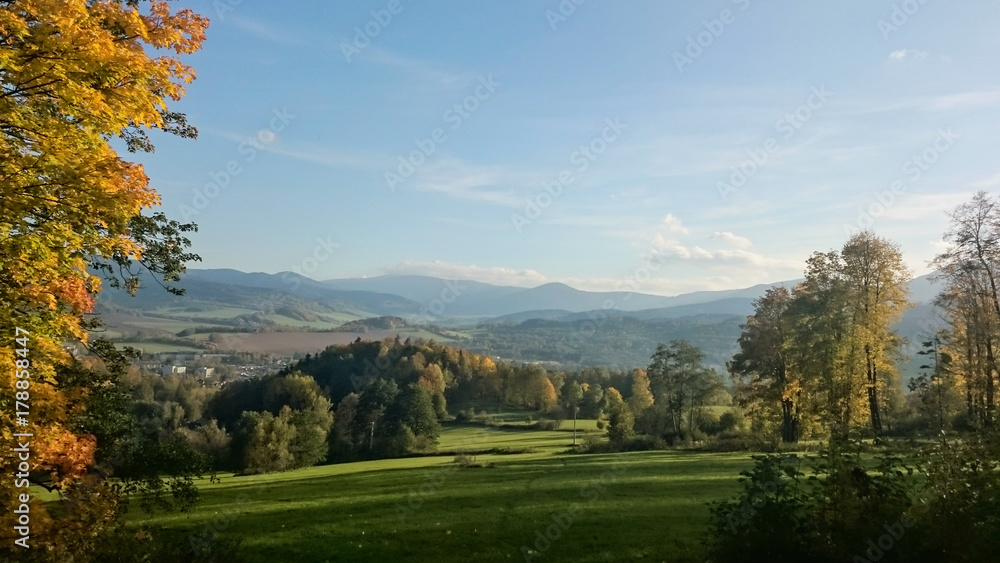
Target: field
x: 649, y: 505
x: 288, y: 343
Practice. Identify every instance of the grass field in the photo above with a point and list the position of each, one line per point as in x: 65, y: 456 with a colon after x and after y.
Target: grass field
x: 648, y: 505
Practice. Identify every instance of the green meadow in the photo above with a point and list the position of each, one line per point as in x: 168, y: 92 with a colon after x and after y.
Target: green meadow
x: 523, y: 497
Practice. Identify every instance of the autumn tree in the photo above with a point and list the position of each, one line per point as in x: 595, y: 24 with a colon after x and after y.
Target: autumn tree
x: 819, y: 324
x: 74, y: 75
x: 765, y: 381
x: 641, y: 398
x: 970, y: 299
x: 877, y: 285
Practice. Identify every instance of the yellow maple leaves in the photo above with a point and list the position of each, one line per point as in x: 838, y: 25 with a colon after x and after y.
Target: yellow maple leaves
x: 74, y: 74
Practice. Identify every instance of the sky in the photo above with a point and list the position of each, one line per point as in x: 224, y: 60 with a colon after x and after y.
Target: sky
x: 657, y: 146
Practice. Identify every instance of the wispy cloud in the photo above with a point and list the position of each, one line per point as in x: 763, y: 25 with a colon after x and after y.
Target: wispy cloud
x: 987, y: 183
x: 266, y: 31
x: 906, y: 55
x: 499, y: 275
x: 461, y: 180
x: 428, y: 75
x: 331, y: 157
x: 496, y: 275
x: 966, y: 100
x: 920, y: 207
x: 731, y: 239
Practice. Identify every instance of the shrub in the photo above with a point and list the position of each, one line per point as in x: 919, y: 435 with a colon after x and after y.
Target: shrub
x: 832, y: 515
x: 546, y: 425
x: 468, y: 461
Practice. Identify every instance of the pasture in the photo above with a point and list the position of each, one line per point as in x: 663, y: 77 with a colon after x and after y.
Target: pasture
x: 540, y: 505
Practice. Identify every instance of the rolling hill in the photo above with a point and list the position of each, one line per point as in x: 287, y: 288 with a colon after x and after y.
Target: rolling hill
x: 551, y: 323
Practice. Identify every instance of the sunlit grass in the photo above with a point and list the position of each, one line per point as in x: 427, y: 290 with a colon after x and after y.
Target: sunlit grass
x: 649, y: 504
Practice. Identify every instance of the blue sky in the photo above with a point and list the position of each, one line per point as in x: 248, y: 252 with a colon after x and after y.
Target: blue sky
x: 598, y: 144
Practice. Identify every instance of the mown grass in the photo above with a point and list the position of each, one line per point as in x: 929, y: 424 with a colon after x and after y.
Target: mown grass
x: 648, y: 505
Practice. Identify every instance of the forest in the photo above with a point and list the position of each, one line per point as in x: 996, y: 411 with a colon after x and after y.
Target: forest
x: 840, y: 459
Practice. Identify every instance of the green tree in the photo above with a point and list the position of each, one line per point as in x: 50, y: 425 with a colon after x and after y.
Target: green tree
x: 413, y: 420
x: 934, y: 389
x: 682, y: 384
x: 765, y: 382
x: 265, y: 441
x: 621, y: 423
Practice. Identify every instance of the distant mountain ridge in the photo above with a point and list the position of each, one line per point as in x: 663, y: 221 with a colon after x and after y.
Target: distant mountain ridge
x: 544, y: 323
x: 438, y: 300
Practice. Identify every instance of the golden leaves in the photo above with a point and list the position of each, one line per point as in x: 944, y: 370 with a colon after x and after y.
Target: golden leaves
x: 73, y: 75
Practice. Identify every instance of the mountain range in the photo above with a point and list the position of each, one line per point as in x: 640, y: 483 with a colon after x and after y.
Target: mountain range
x: 445, y: 302
x: 523, y: 324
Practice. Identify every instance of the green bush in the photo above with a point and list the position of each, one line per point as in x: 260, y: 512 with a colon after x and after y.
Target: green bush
x: 833, y: 512
x: 546, y: 425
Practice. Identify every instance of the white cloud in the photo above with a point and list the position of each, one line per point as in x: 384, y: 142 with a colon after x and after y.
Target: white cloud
x: 966, y: 100
x: 499, y: 275
x: 920, y: 207
x: 458, y: 179
x: 496, y: 275
x: 673, y: 225
x: 906, y: 54
x: 987, y: 183
x: 664, y: 249
x: 733, y: 240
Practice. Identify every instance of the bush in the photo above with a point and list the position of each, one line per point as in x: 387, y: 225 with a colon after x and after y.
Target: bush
x: 742, y: 442
x: 594, y: 445
x: 832, y: 515
x: 546, y: 425
x: 468, y: 461
x: 728, y: 421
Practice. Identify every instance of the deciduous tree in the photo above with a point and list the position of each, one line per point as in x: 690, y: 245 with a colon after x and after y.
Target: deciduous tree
x: 74, y: 74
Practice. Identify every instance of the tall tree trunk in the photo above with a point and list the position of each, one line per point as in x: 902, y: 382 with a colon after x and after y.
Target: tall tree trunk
x: 873, y: 405
x: 789, y: 424
x: 988, y: 372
